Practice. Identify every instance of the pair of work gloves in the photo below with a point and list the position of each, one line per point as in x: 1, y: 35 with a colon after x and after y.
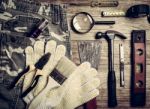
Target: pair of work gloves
x: 79, y: 86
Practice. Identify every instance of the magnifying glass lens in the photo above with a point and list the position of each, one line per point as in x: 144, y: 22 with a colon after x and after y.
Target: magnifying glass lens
x: 82, y: 23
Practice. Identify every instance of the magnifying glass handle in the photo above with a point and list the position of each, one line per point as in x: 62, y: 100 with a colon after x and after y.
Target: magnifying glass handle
x: 104, y: 22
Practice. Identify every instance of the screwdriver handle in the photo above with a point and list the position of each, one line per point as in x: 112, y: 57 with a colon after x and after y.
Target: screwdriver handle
x: 112, y: 100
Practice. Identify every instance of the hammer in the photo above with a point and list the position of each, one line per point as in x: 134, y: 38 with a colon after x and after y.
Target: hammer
x: 110, y: 36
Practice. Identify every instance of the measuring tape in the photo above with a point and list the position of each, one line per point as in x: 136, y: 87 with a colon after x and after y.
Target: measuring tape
x: 113, y: 14
x: 135, y: 11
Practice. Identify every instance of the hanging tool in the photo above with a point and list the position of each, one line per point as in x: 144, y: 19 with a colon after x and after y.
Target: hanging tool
x: 65, y: 29
x: 135, y: 11
x: 121, y: 51
x: 2, y: 7
x: 55, y: 13
x: 83, y: 22
x: 63, y: 19
x: 96, y: 3
x: 110, y: 36
x: 138, y: 69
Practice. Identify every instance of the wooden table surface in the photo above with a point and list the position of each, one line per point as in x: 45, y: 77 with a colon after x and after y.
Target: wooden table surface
x: 125, y: 26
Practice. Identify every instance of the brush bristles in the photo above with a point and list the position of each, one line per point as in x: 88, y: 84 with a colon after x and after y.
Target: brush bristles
x: 65, y: 66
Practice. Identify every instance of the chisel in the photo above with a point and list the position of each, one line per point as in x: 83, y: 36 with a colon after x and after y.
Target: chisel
x: 122, y: 80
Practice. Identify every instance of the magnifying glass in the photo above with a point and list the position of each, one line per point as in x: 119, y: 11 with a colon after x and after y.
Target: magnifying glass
x: 83, y: 22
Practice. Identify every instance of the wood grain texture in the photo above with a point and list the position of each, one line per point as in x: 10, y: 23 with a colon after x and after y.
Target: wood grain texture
x: 125, y: 26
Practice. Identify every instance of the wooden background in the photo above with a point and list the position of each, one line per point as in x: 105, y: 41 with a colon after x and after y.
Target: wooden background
x: 125, y: 26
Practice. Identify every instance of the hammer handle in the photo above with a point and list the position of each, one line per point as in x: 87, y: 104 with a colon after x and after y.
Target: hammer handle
x: 112, y: 100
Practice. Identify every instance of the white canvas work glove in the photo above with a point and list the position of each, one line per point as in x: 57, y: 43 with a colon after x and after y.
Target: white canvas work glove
x: 56, y: 53
x: 79, y: 88
x: 33, y: 54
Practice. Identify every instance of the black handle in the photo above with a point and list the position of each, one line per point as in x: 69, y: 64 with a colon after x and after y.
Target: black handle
x: 112, y: 100
x: 104, y: 22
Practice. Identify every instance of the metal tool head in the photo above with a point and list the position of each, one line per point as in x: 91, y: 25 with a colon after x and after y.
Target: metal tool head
x: 42, y: 61
x: 109, y: 35
x: 116, y: 34
x: 100, y: 35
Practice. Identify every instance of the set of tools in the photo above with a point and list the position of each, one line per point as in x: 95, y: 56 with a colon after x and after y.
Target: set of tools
x: 110, y: 36
x: 83, y: 22
x: 135, y: 11
x: 59, y: 17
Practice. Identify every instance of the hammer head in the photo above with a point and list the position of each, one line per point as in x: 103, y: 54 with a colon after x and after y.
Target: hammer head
x: 100, y: 35
x: 110, y: 35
